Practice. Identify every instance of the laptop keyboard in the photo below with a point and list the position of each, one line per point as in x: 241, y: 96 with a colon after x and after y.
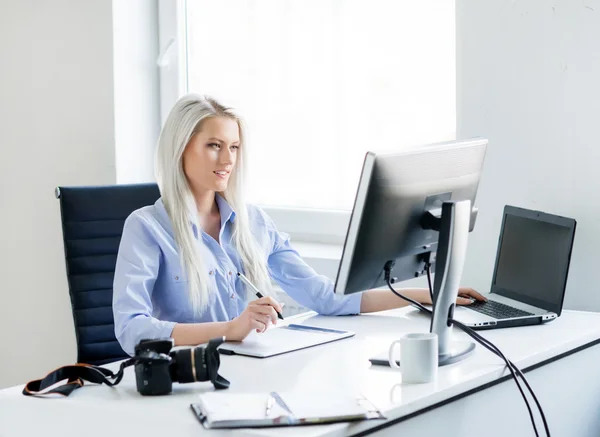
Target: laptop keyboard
x: 497, y: 310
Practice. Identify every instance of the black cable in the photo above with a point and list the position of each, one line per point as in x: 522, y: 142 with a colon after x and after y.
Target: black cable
x: 489, y: 346
x: 511, y: 367
x: 483, y: 341
x: 421, y: 307
x: 428, y: 270
x: 476, y: 336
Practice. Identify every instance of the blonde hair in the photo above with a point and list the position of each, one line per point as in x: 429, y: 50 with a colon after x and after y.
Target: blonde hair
x: 185, y: 120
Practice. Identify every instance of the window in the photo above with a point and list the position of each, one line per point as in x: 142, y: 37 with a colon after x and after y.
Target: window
x: 319, y: 82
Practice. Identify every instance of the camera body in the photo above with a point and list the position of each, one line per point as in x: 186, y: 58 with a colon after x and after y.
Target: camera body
x: 157, y: 366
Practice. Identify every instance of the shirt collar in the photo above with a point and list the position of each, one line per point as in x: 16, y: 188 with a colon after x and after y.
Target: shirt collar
x: 225, y: 210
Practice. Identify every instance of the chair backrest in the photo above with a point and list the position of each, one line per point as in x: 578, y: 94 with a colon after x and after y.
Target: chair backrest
x: 92, y: 224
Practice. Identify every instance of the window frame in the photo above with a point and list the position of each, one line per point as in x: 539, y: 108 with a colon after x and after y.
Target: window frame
x: 172, y: 58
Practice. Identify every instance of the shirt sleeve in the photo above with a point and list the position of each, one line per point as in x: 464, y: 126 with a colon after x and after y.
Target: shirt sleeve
x: 136, y: 271
x: 301, y: 282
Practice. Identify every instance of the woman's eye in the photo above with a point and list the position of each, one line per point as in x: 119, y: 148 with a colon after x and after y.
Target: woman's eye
x: 235, y: 147
x: 218, y: 146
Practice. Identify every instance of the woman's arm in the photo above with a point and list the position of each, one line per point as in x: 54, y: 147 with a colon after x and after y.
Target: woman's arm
x: 315, y: 291
x: 136, y: 270
x: 257, y: 315
x: 381, y: 300
x: 303, y: 284
x: 189, y: 334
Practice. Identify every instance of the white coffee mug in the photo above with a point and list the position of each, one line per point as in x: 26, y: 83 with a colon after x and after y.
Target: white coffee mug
x: 418, y: 357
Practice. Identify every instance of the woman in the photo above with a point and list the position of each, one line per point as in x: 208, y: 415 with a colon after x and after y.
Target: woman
x: 176, y: 272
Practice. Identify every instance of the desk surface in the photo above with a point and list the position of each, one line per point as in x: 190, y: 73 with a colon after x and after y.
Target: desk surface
x: 340, y: 366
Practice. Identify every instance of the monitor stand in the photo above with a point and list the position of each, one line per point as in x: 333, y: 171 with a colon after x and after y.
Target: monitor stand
x: 453, y: 225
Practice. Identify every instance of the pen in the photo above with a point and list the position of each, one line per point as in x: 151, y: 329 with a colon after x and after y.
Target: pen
x: 255, y: 290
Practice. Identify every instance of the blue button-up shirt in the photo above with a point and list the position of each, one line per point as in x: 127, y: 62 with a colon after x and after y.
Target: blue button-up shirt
x: 150, y: 292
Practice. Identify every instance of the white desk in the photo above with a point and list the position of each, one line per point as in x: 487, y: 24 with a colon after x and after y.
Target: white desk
x: 567, y: 381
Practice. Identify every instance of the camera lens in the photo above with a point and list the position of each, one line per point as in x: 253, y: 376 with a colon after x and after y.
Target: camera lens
x: 189, y: 365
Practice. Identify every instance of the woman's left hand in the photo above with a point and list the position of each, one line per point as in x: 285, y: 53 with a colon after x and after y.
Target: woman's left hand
x: 465, y: 296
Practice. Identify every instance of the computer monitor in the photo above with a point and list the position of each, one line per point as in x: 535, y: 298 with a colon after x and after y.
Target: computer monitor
x: 413, y: 208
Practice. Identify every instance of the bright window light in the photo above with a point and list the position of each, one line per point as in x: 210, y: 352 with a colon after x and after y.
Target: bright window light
x: 320, y: 82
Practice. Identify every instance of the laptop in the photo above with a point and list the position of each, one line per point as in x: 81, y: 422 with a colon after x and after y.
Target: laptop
x: 530, y: 274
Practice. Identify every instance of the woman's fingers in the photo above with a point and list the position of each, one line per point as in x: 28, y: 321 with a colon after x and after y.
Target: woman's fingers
x: 463, y: 301
x: 266, y: 310
x: 268, y: 300
x: 258, y: 325
x: 262, y: 319
x: 472, y: 293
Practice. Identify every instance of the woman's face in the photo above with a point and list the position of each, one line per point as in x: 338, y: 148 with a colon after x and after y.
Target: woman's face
x: 211, y: 154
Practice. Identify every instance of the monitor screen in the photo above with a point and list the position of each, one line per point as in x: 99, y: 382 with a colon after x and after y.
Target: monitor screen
x: 533, y: 261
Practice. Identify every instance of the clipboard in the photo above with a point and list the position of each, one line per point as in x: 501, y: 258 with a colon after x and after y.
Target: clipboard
x: 258, y: 410
x: 281, y: 340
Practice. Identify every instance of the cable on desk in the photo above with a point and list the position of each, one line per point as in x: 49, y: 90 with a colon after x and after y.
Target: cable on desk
x: 514, y: 370
x: 478, y: 337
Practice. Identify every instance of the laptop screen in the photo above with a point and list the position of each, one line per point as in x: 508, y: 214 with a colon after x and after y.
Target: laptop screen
x: 533, y: 258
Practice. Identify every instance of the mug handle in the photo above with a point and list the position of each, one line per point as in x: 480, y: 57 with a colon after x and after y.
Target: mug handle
x: 391, y: 359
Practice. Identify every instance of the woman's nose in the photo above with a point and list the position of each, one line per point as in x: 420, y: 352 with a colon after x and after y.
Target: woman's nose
x: 226, y: 156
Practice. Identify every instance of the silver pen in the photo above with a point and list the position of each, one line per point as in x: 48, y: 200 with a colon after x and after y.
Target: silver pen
x: 255, y: 290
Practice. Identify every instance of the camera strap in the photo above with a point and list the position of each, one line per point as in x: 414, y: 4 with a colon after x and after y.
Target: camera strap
x: 75, y: 375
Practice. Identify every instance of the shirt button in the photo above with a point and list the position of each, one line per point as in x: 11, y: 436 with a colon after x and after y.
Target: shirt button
x: 230, y: 273
x: 177, y: 278
x: 232, y: 295
x: 210, y: 272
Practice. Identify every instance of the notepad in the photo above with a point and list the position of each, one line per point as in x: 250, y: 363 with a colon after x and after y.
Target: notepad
x: 249, y: 410
x: 283, y: 339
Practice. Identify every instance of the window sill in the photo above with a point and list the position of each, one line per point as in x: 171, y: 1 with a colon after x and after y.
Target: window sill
x: 309, y: 249
x: 322, y: 257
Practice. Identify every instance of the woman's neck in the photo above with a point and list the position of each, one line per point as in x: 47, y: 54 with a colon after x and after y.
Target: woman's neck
x: 206, y: 204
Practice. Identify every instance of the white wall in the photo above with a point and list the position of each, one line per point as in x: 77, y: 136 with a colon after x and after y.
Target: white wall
x: 528, y: 78
x: 56, y: 128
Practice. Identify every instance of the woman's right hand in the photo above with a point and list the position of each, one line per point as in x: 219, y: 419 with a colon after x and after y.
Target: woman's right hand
x: 257, y: 315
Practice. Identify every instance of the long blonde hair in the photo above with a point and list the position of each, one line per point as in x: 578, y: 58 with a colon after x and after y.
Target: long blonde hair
x: 184, y: 120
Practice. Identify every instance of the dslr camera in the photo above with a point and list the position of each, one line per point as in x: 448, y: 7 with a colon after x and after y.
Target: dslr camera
x: 157, y: 367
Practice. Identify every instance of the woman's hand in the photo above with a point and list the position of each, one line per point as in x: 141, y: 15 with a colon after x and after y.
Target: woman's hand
x: 465, y: 296
x: 257, y: 315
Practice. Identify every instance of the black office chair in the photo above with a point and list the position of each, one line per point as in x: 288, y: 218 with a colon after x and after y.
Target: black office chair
x: 92, y: 223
